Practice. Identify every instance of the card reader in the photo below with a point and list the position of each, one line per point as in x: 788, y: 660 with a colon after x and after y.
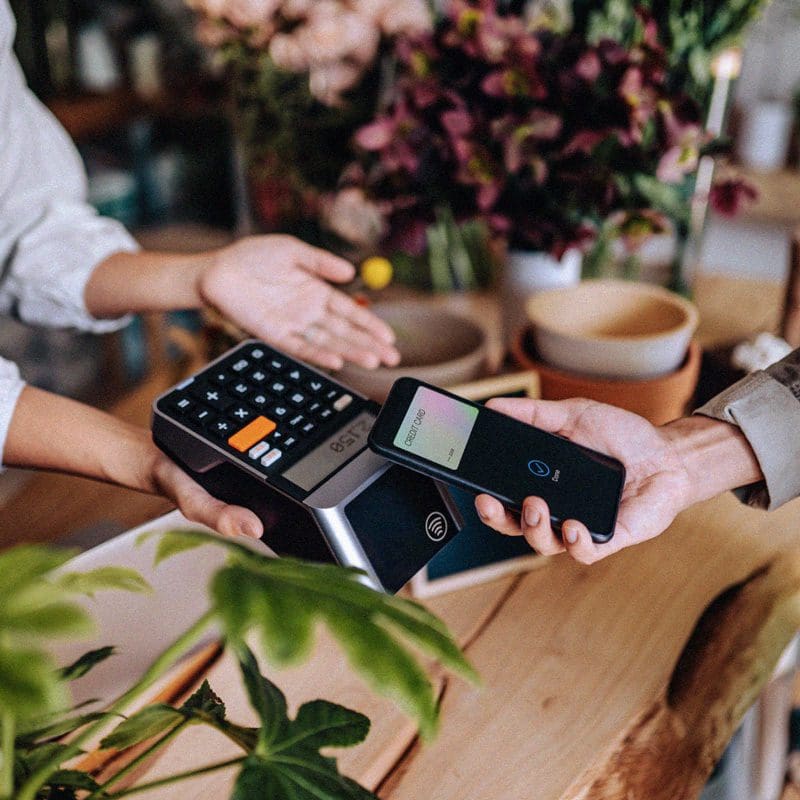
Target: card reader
x: 262, y: 430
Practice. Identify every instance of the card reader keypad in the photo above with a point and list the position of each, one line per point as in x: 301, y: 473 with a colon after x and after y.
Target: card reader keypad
x: 261, y: 406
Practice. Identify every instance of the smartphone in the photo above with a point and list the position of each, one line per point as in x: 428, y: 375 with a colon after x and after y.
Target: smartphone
x: 468, y: 445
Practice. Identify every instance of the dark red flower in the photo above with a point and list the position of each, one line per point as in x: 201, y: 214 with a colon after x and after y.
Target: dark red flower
x: 729, y: 196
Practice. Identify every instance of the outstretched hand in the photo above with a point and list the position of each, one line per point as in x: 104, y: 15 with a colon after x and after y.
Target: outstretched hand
x: 657, y: 486
x: 275, y: 287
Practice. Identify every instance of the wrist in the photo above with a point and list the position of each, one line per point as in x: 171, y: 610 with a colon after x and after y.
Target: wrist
x: 715, y: 456
x: 147, y: 281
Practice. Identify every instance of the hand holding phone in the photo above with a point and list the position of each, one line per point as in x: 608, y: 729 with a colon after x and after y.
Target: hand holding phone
x: 464, y: 444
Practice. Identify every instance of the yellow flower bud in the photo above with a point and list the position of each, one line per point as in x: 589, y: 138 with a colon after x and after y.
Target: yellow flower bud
x: 377, y: 272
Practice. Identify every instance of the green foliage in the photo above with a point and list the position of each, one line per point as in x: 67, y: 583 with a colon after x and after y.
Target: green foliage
x: 287, y: 763
x: 280, y: 601
x: 86, y: 663
x: 145, y: 724
x: 693, y: 31
x: 104, y: 579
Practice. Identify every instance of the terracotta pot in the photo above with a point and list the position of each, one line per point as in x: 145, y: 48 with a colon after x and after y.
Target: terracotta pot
x: 659, y: 399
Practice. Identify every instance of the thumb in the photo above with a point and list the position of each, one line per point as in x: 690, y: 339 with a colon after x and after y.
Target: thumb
x: 197, y: 505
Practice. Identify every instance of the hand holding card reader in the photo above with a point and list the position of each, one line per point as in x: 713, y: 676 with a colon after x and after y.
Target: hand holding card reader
x: 467, y: 445
x: 259, y: 429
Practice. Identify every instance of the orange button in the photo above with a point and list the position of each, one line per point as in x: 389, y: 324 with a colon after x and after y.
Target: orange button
x: 252, y: 433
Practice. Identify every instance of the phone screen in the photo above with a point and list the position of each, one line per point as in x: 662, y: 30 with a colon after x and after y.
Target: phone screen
x: 436, y: 427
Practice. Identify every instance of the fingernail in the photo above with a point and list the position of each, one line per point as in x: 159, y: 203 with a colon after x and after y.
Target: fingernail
x: 251, y: 529
x: 571, y: 534
x: 532, y: 517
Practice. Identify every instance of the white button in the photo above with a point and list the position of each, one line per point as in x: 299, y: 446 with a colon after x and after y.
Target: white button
x: 257, y: 353
x: 258, y: 450
x: 270, y: 458
x: 343, y: 402
x: 240, y: 365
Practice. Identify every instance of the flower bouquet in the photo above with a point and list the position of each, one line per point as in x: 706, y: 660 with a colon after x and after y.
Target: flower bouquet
x: 550, y: 126
x: 304, y: 74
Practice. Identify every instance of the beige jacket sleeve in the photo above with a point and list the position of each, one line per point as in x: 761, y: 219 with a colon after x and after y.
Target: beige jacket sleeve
x: 766, y: 406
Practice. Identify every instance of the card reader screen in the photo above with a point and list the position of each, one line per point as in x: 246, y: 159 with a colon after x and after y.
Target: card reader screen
x: 332, y: 453
x: 436, y: 427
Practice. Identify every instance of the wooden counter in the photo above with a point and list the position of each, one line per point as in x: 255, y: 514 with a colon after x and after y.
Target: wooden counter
x: 619, y: 681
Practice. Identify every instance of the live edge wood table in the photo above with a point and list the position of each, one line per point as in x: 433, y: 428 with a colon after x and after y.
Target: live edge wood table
x: 622, y: 680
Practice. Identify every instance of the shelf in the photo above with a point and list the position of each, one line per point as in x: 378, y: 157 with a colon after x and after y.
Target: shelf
x: 88, y: 116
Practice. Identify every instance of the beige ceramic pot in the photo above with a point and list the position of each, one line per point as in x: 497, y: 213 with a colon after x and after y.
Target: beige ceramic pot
x: 612, y: 329
x: 435, y: 346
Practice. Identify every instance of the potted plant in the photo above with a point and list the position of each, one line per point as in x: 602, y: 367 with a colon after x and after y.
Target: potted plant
x: 275, y: 602
x: 556, y: 126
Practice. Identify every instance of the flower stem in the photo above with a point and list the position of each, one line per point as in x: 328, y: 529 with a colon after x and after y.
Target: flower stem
x: 7, y: 766
x: 138, y: 761
x: 162, y: 663
x: 181, y: 776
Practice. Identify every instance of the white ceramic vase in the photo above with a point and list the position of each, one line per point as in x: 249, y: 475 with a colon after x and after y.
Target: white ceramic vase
x: 528, y: 272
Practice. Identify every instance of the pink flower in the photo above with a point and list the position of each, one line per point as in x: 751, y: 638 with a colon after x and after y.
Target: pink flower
x: 677, y: 163
x: 328, y: 82
x: 296, y: 9
x: 331, y: 34
x: 213, y: 32
x: 376, y: 135
x: 210, y: 8
x: 588, y: 66
x: 396, y: 17
x: 350, y: 215
x: 584, y: 142
x: 728, y: 197
x: 390, y: 136
x: 250, y: 13
x: 287, y: 53
x: 408, y: 17
x: 457, y: 122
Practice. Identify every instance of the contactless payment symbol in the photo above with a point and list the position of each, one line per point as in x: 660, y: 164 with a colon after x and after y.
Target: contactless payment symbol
x: 539, y: 468
x: 436, y: 526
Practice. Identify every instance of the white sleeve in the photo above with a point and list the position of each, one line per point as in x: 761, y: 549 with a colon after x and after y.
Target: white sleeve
x: 10, y: 387
x: 51, y: 239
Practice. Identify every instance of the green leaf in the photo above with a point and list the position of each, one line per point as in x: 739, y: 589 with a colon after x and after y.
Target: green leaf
x: 31, y: 760
x: 290, y: 766
x: 286, y: 633
x: 388, y: 668
x: 72, y: 779
x: 29, y: 683
x: 266, y: 699
x: 323, y: 724
x: 172, y: 543
x: 32, y: 732
x: 257, y: 780
x: 52, y: 620
x: 205, y: 700
x: 27, y: 564
x: 85, y: 663
x: 103, y: 579
x: 145, y: 724
x: 282, y: 600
